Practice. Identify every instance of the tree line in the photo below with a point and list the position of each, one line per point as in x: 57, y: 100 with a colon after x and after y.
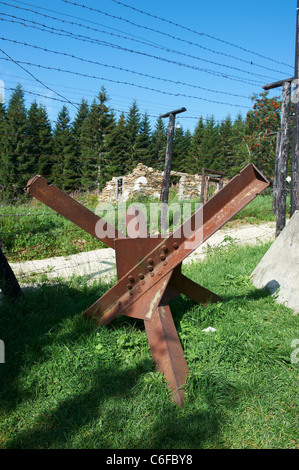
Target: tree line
x: 96, y: 145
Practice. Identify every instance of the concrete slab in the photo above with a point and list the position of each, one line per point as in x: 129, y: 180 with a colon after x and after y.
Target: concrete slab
x: 92, y: 264
x: 279, y: 268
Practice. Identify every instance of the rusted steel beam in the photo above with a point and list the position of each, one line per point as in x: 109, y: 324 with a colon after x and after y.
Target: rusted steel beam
x: 71, y: 209
x: 149, y: 269
x: 167, y: 351
x: 219, y: 209
x: 194, y: 291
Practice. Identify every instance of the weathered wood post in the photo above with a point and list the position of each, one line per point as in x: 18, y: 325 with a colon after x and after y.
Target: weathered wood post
x: 282, y: 155
x: 8, y: 282
x: 282, y: 161
x: 295, y: 141
x: 274, y: 201
x: 167, y: 167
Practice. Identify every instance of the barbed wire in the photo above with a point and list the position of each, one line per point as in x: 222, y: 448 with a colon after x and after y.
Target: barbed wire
x: 142, y: 74
x: 192, y: 31
x: 115, y: 210
x: 121, y: 18
x: 29, y: 214
x: 77, y: 18
x: 63, y: 100
x: 113, y: 109
x: 80, y: 37
x: 35, y: 78
x: 117, y: 68
x: 168, y: 93
x: 175, y: 82
x: 144, y: 54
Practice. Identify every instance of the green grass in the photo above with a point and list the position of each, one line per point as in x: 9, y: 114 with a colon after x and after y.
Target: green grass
x: 259, y: 210
x: 34, y: 231
x: 66, y: 384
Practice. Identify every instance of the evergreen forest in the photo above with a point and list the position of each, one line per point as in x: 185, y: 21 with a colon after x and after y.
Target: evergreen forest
x: 86, y: 152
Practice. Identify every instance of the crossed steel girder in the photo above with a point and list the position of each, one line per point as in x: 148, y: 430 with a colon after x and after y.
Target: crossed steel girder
x: 149, y: 268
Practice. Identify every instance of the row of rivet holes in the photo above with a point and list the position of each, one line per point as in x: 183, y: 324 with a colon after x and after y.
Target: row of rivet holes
x: 150, y: 266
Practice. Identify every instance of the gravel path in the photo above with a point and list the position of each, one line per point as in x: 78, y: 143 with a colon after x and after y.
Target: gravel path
x: 101, y: 263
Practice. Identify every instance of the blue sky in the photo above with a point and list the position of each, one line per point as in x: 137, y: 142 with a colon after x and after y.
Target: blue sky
x: 209, y: 57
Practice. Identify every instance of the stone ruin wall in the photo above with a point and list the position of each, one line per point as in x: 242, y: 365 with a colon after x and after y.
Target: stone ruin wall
x: 146, y: 181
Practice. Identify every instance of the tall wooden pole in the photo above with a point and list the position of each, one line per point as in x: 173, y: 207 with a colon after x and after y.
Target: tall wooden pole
x: 282, y: 153
x: 295, y: 147
x: 282, y: 160
x: 274, y: 201
x: 167, y: 167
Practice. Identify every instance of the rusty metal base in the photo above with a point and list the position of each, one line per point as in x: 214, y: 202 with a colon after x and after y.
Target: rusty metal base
x: 153, y: 308
x: 149, y: 269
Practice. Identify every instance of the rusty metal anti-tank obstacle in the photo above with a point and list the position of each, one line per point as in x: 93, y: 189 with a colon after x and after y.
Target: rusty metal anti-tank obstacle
x: 149, y: 268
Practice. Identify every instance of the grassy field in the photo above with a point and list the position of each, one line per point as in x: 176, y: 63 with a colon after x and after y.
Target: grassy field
x: 65, y: 384
x: 28, y: 231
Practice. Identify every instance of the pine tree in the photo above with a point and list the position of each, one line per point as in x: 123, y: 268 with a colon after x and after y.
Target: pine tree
x: 181, y: 148
x: 96, y: 129
x: 15, y: 164
x: 186, y: 166
x: 77, y: 126
x: 45, y: 161
x: 143, y: 142
x: 194, y: 160
x: 159, y: 141
x: 210, y: 148
x: 116, y: 150
x: 32, y: 133
x: 63, y: 149
x: 226, y: 157
x: 39, y: 140
x: 133, y: 128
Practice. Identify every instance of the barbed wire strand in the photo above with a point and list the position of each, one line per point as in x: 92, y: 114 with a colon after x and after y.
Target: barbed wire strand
x: 97, y: 41
x: 35, y: 78
x: 105, y: 79
x: 144, y: 54
x: 195, y: 32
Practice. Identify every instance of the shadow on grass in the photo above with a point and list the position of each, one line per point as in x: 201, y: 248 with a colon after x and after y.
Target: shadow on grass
x: 97, y: 414
x: 24, y: 324
x: 256, y: 294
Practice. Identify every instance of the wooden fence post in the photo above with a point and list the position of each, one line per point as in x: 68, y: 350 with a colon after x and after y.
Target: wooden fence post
x: 282, y: 160
x: 274, y: 202
x: 167, y: 167
x: 282, y: 154
x: 295, y: 141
